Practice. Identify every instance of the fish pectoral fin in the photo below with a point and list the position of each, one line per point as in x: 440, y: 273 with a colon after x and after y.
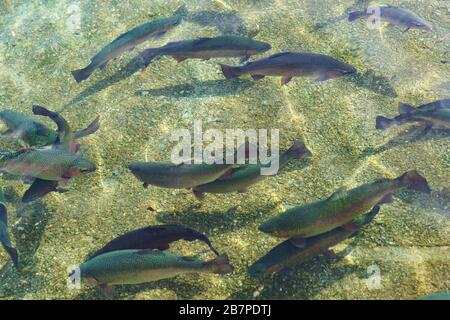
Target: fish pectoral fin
x: 285, y: 80
x: 198, y: 194
x: 386, y: 199
x: 242, y: 190
x: 107, y: 290
x: 257, y: 76
x: 299, y: 242
x: 328, y: 253
x: 179, y: 58
x: 160, y: 34
x: 103, y: 65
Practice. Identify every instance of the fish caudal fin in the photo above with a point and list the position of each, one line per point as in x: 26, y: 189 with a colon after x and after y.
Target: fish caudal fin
x: 81, y: 74
x: 220, y: 265
x: 383, y: 123
x: 413, y: 180
x: 352, y: 16
x: 229, y: 72
x: 148, y: 55
x: 41, y: 111
x: 298, y: 151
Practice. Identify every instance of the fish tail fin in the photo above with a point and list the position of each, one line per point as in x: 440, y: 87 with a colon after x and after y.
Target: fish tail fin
x: 220, y: 265
x: 81, y: 74
x: 414, y: 181
x: 148, y: 55
x: 352, y: 16
x: 90, y: 129
x: 383, y: 123
x: 229, y: 72
x: 41, y: 111
x: 405, y: 108
x: 298, y: 151
x: 14, y: 256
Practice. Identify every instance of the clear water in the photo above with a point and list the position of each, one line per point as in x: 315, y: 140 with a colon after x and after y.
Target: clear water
x: 408, y: 243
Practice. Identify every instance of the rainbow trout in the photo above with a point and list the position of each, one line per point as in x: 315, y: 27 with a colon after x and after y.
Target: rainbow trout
x: 31, y: 133
x: 434, y: 115
x: 4, y: 234
x: 339, y: 209
x: 286, y: 254
x: 394, y: 16
x: 46, y: 164
x: 141, y: 266
x: 154, y: 237
x: 207, y: 48
x: 168, y: 175
x: 292, y: 64
x: 126, y: 42
x: 245, y: 176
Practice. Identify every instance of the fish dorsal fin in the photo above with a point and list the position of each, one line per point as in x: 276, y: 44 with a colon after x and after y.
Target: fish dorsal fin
x: 201, y: 40
x: 405, y: 108
x: 149, y: 252
x: 189, y: 259
x: 338, y: 193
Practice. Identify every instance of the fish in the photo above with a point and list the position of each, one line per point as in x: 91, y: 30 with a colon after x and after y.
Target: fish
x: 31, y: 133
x: 206, y: 48
x: 339, y: 209
x: 126, y: 42
x: 178, y: 176
x: 241, y: 178
x: 394, y: 16
x: 4, y: 235
x: 443, y: 295
x: 434, y: 115
x: 66, y: 142
x: 142, y: 266
x: 286, y: 254
x: 46, y: 164
x: 153, y: 237
x: 292, y: 64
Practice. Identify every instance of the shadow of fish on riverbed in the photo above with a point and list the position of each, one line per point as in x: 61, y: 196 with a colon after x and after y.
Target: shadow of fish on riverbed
x: 225, y: 23
x: 198, y: 88
x: 135, y: 65
x: 373, y: 82
x: 412, y: 135
x: 437, y: 201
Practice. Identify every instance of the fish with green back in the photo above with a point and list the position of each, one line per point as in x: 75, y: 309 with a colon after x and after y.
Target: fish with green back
x: 142, y: 266
x: 227, y: 46
x: 4, y: 234
x: 339, y: 209
x: 292, y: 64
x: 154, y: 237
x: 434, y: 115
x: 126, y: 42
x: 242, y: 177
x: 287, y: 254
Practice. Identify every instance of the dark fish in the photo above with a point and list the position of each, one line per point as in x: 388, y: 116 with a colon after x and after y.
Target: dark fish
x: 181, y: 176
x: 154, y: 237
x: 4, y: 235
x: 394, y: 16
x: 435, y: 115
x: 244, y: 176
x: 339, y: 209
x: 41, y: 188
x: 142, y: 266
x: 207, y: 48
x: 286, y: 254
x: 292, y: 64
x: 31, y: 133
x: 126, y: 42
